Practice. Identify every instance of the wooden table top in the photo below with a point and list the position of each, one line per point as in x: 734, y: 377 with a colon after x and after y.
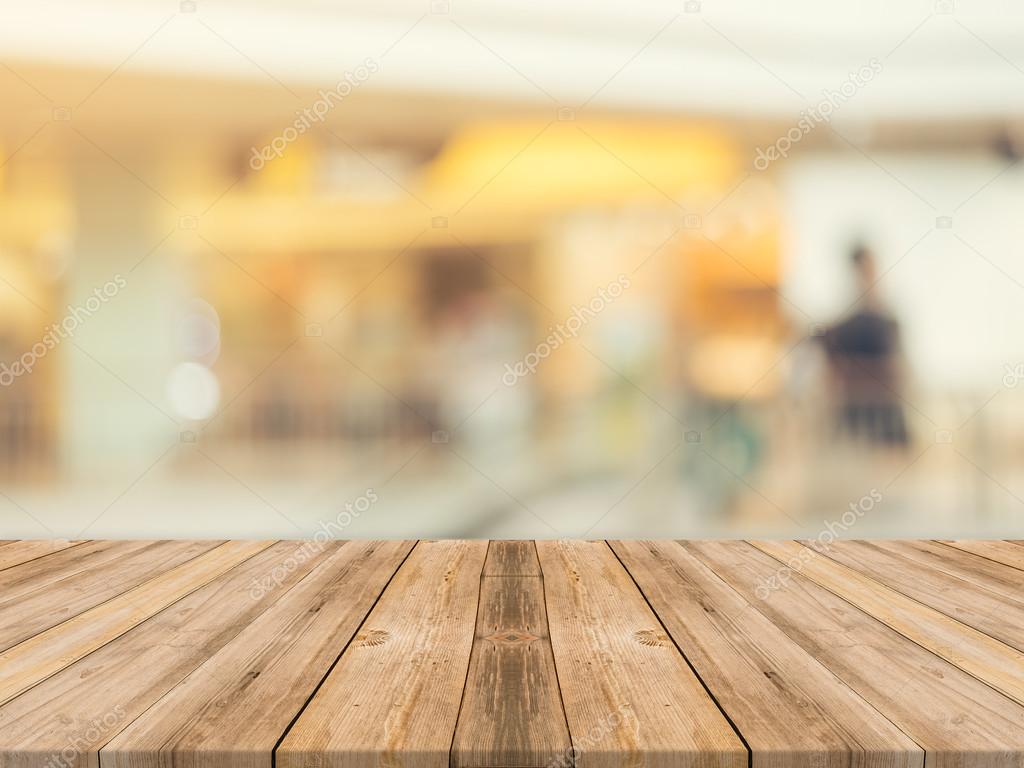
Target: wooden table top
x: 475, y: 654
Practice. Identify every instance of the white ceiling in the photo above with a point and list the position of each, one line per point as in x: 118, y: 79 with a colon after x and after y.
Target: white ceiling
x: 740, y: 57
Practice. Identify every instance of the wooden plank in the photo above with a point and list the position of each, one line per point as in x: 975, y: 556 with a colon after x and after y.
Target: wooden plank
x: 959, y: 721
x: 393, y: 698
x: 630, y: 697
x: 26, y: 614
x: 976, y: 594
x: 18, y: 552
x: 239, y: 703
x: 86, y: 704
x: 985, y: 576
x: 791, y: 710
x: 511, y: 711
x: 40, y: 572
x: 973, y: 651
x: 980, y: 571
x: 35, y: 659
x: 217, y: 676
x: 512, y: 558
x: 1005, y: 552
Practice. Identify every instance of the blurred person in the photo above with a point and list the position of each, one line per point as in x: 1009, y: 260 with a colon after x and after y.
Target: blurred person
x: 865, y: 364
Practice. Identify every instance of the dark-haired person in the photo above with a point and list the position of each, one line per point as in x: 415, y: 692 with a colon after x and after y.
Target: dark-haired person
x: 865, y: 363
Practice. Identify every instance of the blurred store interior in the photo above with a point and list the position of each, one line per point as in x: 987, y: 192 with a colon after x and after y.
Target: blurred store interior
x: 295, y: 253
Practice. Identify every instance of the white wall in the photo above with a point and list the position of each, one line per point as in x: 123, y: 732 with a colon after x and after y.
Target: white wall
x: 962, y: 317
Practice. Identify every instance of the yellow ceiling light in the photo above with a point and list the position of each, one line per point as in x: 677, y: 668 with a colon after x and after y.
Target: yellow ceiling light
x: 529, y: 165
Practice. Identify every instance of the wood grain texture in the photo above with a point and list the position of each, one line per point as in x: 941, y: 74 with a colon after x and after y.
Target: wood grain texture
x: 959, y: 721
x: 17, y: 552
x: 1005, y: 552
x: 35, y: 659
x: 25, y: 614
x: 629, y: 696
x: 512, y: 710
x: 63, y: 564
x: 980, y: 594
x: 239, y: 703
x: 117, y: 683
x: 990, y: 576
x: 393, y: 698
x: 513, y: 655
x: 791, y: 710
x: 973, y: 651
x: 512, y: 558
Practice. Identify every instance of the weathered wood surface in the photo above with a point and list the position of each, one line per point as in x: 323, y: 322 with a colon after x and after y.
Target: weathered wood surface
x: 971, y: 590
x: 957, y: 719
x: 394, y: 696
x: 241, y: 700
x: 972, y: 650
x: 118, y: 682
x: 754, y: 668
x: 511, y: 710
x: 630, y: 697
x: 570, y: 654
x: 48, y: 652
x: 1004, y: 552
x: 31, y: 602
x: 14, y: 553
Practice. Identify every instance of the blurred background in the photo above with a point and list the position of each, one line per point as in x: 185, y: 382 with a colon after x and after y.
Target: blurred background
x: 470, y: 268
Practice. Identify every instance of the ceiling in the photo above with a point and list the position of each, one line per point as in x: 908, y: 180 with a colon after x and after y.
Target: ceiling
x: 937, y: 60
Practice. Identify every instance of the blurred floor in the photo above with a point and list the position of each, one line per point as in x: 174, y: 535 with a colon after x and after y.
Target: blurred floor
x: 428, y: 490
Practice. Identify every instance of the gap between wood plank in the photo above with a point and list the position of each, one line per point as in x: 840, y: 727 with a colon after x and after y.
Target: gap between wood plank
x: 78, y: 617
x: 554, y: 661
x: 946, y: 752
x: 952, y: 544
x: 472, y: 653
x: 966, y: 629
x: 12, y: 544
x: 41, y: 607
x: 195, y: 612
x: 718, y: 633
x: 526, y: 561
x: 972, y: 622
x: 711, y: 695
x: 330, y: 669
